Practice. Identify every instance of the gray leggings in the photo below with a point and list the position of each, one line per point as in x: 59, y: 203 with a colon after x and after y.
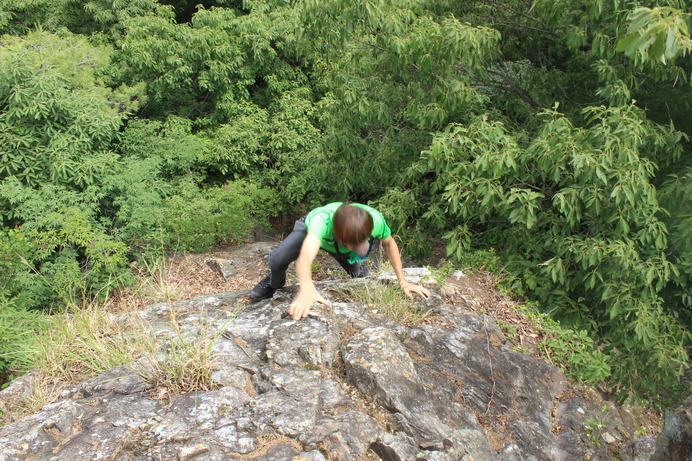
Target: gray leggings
x: 289, y: 249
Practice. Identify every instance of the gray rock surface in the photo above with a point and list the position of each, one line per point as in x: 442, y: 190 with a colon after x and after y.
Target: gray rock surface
x: 675, y: 441
x: 228, y: 264
x: 345, y: 383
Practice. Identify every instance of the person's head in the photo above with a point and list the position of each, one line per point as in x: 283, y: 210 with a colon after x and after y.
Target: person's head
x: 351, y: 226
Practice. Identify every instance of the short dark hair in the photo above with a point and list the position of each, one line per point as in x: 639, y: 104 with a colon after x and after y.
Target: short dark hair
x: 351, y: 224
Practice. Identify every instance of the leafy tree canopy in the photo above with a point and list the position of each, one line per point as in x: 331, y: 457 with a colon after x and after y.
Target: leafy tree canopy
x: 57, y: 119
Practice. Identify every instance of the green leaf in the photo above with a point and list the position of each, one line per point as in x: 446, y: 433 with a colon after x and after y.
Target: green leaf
x: 639, y: 17
x: 629, y: 44
x: 658, y: 49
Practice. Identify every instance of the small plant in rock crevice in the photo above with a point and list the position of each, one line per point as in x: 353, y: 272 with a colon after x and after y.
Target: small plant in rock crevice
x: 592, y: 427
x: 180, y: 360
x: 386, y: 298
x: 154, y: 280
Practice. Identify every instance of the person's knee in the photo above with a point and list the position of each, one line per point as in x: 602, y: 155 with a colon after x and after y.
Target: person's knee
x: 359, y: 270
x: 276, y: 263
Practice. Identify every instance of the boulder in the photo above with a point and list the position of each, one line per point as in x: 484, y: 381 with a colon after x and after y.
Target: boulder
x: 345, y: 383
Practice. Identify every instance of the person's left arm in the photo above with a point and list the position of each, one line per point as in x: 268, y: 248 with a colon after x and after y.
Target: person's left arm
x: 392, y: 250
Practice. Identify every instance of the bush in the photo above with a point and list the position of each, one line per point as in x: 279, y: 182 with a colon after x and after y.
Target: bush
x: 575, y: 217
x: 196, y: 219
x: 58, y: 123
x: 60, y: 254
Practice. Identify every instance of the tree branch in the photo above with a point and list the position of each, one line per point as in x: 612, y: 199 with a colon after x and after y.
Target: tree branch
x: 552, y: 36
x: 516, y: 12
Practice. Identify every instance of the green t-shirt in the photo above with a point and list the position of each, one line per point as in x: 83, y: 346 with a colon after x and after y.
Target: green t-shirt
x: 320, y: 220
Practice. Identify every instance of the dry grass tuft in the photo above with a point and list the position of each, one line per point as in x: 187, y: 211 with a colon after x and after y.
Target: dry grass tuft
x: 387, y: 299
x: 86, y: 341
x: 44, y: 389
x: 91, y: 339
x: 180, y: 362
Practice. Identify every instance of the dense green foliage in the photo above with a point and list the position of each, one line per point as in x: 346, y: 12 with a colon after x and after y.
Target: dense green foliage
x: 555, y: 132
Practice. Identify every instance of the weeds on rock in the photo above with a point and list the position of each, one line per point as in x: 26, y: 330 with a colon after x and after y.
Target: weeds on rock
x: 387, y: 299
x: 178, y: 361
x: 90, y: 338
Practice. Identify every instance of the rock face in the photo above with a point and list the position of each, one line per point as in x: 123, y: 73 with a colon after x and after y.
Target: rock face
x: 675, y: 441
x: 346, y: 383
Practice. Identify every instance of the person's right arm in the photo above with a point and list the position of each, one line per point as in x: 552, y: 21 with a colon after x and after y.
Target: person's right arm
x: 307, y: 293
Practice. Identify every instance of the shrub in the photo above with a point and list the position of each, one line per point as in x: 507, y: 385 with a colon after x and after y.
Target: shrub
x: 60, y: 253
x: 575, y: 217
x: 197, y: 219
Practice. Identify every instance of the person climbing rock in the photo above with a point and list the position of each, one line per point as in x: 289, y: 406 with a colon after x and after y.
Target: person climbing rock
x: 344, y: 230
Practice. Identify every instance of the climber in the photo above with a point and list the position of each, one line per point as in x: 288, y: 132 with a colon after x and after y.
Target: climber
x: 344, y: 230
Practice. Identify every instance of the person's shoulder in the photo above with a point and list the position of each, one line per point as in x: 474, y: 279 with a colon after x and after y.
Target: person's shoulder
x: 380, y: 229
x: 328, y: 207
x: 373, y: 212
x: 319, y: 220
x: 367, y: 208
